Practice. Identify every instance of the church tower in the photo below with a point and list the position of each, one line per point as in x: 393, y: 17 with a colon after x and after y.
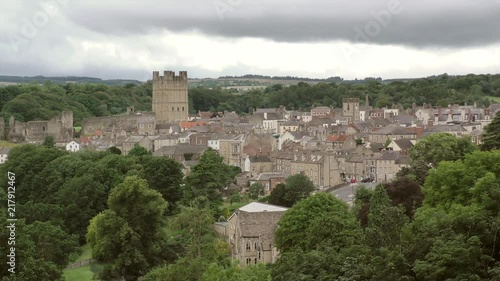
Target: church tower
x: 170, y: 97
x: 350, y: 108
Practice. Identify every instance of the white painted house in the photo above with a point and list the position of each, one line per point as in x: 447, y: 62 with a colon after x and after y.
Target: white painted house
x: 72, y: 146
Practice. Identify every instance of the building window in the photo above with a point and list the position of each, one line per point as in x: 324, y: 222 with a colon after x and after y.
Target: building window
x: 249, y: 260
x: 183, y: 108
x: 255, y: 260
x: 248, y: 246
x: 177, y: 109
x: 172, y: 108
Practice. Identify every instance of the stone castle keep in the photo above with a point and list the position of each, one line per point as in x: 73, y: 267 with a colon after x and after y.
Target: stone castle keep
x: 170, y: 97
x: 169, y: 107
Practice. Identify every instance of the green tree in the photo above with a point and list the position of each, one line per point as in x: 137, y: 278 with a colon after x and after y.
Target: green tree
x: 442, y: 262
x: 52, y: 244
x: 296, y: 188
x: 406, y: 192
x: 130, y: 233
x: 115, y: 150
x: 233, y: 272
x: 385, y: 222
x: 491, y: 136
x: 318, y: 220
x: 138, y: 151
x: 201, y: 247
x: 277, y: 196
x: 441, y: 147
x: 49, y: 142
x: 164, y: 175
x: 209, y: 177
x: 256, y: 190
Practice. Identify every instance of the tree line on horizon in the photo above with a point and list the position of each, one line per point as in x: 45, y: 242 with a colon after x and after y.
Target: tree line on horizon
x: 28, y: 102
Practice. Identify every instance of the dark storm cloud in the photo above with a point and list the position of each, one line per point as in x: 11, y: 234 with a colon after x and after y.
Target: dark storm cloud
x: 422, y: 23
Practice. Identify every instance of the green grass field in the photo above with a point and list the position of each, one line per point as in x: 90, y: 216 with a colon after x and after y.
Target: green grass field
x: 495, y: 99
x: 86, y: 254
x: 7, y: 144
x: 84, y: 273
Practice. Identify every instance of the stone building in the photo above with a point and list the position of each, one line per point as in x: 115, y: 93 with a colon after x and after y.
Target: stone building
x: 59, y: 127
x: 350, y: 108
x: 170, y: 97
x: 250, y: 233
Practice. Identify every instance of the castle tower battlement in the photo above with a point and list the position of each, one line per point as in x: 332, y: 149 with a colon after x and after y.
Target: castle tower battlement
x: 170, y: 96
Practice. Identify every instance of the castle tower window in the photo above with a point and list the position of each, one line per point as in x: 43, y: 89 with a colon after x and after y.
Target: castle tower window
x: 248, y: 246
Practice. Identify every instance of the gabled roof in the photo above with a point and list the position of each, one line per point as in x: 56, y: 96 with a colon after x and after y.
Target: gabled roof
x: 390, y: 155
x: 134, y: 139
x: 257, y: 207
x: 404, y: 144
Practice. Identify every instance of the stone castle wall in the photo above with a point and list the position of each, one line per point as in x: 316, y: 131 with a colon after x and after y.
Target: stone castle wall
x: 60, y: 128
x: 120, y: 122
x: 170, y: 97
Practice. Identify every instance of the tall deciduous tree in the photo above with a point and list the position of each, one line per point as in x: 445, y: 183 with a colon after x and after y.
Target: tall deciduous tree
x: 491, y: 136
x: 296, y: 188
x: 318, y: 220
x: 441, y: 147
x: 209, y: 177
x: 164, y: 175
x: 129, y: 234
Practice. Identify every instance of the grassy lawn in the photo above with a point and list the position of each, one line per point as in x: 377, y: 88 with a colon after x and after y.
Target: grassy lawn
x: 7, y: 144
x: 495, y: 99
x: 86, y: 254
x: 84, y: 273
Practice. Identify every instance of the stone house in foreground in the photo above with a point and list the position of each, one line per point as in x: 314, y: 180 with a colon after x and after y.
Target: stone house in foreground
x: 250, y: 233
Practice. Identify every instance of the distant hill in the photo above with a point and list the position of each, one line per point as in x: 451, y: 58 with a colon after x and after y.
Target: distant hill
x: 64, y: 80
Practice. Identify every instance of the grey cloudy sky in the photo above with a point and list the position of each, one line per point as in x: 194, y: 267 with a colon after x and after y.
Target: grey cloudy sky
x: 211, y: 38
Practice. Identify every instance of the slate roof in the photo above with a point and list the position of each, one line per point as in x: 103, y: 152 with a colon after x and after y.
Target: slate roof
x: 267, y: 176
x: 404, y: 144
x: 262, y: 207
x: 389, y: 155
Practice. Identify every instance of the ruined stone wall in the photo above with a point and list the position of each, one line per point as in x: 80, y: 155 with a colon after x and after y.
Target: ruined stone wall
x: 170, y: 97
x: 120, y: 122
x: 60, y: 128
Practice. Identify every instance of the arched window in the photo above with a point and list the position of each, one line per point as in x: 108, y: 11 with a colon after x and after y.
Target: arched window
x: 248, y: 246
